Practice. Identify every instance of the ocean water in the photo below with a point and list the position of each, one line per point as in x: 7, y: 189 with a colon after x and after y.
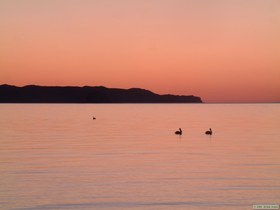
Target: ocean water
x: 55, y: 156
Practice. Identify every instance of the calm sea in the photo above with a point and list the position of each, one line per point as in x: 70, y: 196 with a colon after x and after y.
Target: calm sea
x: 55, y: 156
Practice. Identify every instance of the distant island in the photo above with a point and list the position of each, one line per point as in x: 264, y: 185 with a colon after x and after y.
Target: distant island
x: 86, y: 94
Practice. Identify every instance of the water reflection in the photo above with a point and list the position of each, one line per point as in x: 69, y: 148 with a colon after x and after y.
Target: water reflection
x: 130, y: 157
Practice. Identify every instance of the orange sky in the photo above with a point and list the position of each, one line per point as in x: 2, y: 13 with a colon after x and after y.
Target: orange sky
x: 222, y: 51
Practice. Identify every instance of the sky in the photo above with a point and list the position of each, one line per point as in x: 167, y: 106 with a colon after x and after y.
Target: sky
x: 220, y: 50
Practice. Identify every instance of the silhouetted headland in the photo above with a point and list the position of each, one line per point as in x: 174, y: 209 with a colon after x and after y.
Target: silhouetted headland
x: 86, y: 94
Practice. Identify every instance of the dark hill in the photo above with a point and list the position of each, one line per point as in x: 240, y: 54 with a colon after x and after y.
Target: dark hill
x: 87, y: 94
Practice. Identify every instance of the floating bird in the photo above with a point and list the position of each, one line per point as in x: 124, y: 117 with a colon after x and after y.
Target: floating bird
x: 179, y: 132
x: 209, y: 132
x: 93, y: 118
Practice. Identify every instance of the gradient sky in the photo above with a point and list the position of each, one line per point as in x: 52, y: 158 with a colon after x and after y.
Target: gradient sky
x: 220, y: 50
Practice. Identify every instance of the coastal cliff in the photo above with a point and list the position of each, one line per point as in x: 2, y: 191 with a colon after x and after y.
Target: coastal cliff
x: 86, y: 94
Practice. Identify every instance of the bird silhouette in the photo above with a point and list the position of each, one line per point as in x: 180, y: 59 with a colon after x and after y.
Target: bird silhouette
x: 209, y: 132
x: 179, y: 132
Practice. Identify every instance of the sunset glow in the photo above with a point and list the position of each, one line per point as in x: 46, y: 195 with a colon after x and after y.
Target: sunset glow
x: 222, y: 51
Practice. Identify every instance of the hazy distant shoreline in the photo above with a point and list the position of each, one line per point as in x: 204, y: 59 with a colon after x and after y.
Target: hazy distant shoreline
x: 87, y: 94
